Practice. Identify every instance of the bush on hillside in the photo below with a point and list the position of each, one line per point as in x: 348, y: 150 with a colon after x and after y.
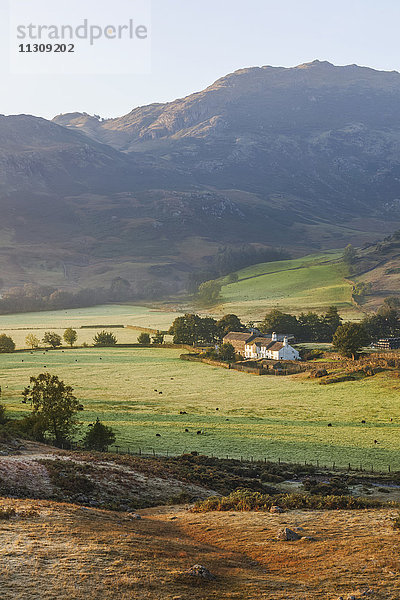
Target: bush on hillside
x: 248, y: 500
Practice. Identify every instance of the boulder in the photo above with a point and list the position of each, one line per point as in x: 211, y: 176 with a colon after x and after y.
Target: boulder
x: 134, y: 516
x: 200, y: 571
x: 276, y: 509
x: 319, y: 373
x: 288, y: 535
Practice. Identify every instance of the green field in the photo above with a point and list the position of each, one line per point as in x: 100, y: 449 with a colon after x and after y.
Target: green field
x: 271, y: 417
x: 312, y: 282
x: 19, y: 325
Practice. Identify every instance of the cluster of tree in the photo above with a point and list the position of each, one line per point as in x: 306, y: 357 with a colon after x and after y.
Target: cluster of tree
x: 51, y: 338
x: 54, y: 416
x: 307, y: 327
x: 350, y: 258
x: 30, y: 298
x: 193, y: 329
x: 223, y: 352
x: 145, y: 340
x: 385, y: 322
x: 228, y: 259
x: 360, y: 290
x: 36, y: 298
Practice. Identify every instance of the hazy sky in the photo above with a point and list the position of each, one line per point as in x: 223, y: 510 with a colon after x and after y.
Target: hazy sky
x: 194, y: 42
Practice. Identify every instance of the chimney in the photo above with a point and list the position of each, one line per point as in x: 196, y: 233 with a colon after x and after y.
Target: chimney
x: 274, y: 337
x: 285, y: 341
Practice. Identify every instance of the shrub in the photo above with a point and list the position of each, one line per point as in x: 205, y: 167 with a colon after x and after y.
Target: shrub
x: 144, y: 339
x: 68, y: 476
x: 104, y: 338
x: 98, y: 437
x: 158, y: 338
x: 248, y: 500
x: 334, y: 487
x: 7, y: 512
x: 3, y: 416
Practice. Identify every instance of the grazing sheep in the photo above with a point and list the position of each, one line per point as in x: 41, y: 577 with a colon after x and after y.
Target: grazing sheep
x: 199, y: 432
x: 160, y: 392
x: 186, y: 430
x: 376, y: 442
x: 158, y: 435
x: 363, y: 421
x: 329, y: 424
x: 217, y: 409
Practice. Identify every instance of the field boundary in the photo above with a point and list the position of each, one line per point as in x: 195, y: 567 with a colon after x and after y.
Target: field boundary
x: 323, y: 465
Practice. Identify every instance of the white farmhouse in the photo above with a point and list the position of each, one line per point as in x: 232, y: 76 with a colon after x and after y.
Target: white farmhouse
x: 270, y: 348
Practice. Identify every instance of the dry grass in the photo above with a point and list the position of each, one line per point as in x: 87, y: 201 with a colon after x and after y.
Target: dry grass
x: 70, y: 553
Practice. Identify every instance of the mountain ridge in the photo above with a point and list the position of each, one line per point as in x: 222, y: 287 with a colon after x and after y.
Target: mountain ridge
x: 307, y: 158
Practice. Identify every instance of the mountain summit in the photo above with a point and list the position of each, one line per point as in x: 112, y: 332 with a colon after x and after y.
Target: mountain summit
x: 305, y: 158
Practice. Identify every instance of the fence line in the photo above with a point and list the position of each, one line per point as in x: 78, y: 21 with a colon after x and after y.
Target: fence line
x: 323, y: 465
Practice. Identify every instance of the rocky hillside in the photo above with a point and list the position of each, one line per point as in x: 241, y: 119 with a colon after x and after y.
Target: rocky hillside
x: 305, y: 158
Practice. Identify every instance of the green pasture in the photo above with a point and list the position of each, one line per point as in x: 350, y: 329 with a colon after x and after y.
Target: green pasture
x: 312, y: 282
x: 264, y: 417
x: 19, y: 325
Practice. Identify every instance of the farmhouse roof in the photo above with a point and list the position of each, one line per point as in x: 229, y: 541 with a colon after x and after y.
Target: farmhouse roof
x: 239, y: 336
x: 262, y: 341
x: 276, y: 346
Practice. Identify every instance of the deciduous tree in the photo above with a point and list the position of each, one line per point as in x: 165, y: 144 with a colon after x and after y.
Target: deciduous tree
x: 7, y: 344
x: 98, y: 437
x: 349, y: 339
x: 70, y: 336
x: 54, y: 404
x: 52, y: 339
x: 32, y: 341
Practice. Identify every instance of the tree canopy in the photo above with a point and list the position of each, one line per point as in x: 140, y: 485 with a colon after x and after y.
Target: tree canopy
x: 52, y: 339
x: 349, y: 338
x: 98, y: 437
x: 32, y: 341
x: 307, y: 326
x: 144, y: 339
x: 70, y: 336
x: 104, y: 338
x: 193, y: 329
x: 229, y: 323
x: 7, y: 344
x: 54, y: 405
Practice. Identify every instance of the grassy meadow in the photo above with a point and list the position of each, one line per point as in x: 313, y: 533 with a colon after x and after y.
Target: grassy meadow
x: 19, y: 325
x: 265, y: 417
x: 312, y: 282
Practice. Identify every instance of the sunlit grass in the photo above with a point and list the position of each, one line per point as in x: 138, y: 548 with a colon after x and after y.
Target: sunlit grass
x: 271, y: 417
